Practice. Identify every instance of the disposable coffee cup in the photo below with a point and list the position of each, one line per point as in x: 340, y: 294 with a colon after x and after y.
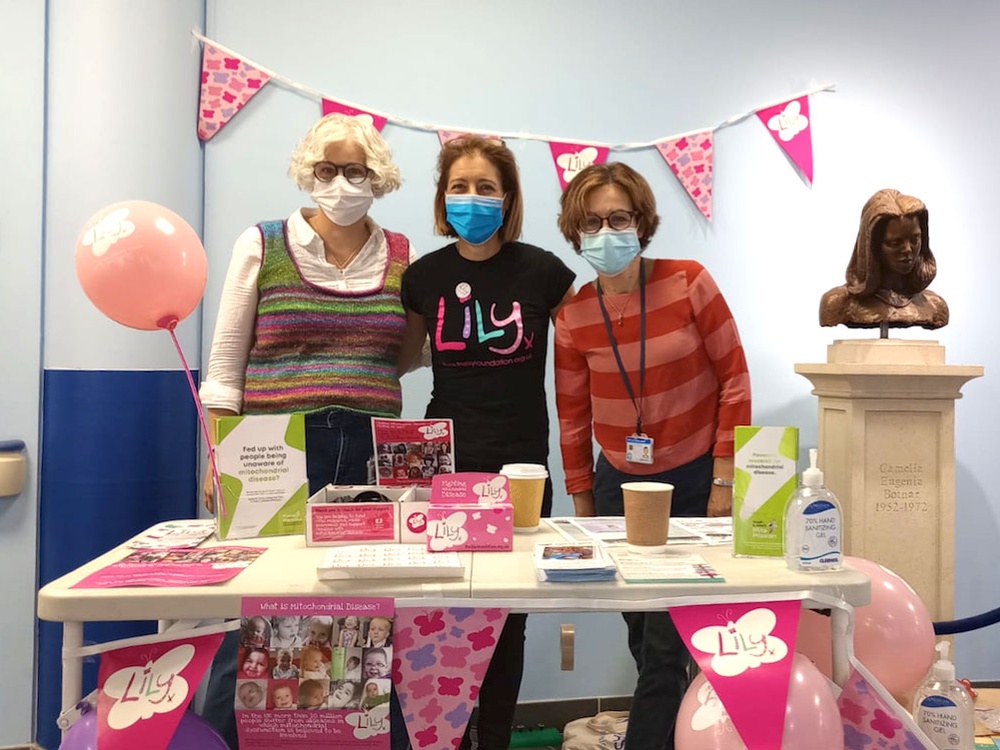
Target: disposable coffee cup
x: 527, y: 487
x: 647, y: 516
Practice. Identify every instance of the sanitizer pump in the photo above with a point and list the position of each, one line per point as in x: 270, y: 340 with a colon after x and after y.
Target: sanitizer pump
x: 943, y: 707
x: 813, y: 524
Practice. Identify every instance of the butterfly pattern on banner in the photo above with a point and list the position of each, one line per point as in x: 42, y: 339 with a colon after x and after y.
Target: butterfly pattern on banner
x: 870, y: 723
x: 145, y: 689
x: 440, y: 659
x: 690, y: 159
x: 745, y: 651
x: 330, y: 106
x: 227, y: 84
x: 572, y: 158
x: 789, y: 125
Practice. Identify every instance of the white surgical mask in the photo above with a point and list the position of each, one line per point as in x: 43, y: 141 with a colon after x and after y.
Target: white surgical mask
x: 342, y: 202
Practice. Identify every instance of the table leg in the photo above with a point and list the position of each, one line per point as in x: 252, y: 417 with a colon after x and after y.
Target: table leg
x: 841, y: 633
x: 72, y: 666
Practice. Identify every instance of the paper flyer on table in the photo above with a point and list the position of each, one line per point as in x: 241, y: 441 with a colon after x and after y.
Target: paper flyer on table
x: 314, y: 672
x: 176, y: 567
x: 664, y: 568
x: 411, y: 452
x: 174, y: 535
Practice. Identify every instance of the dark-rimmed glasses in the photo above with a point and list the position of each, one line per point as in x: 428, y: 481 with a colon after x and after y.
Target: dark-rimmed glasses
x: 354, y: 173
x: 617, y: 220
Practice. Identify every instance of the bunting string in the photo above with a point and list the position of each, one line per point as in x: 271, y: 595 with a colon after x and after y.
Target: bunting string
x: 230, y: 79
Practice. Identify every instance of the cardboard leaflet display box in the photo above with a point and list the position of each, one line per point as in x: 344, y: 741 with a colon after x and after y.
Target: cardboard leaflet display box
x: 262, y: 469
x: 470, y: 512
x: 355, y: 514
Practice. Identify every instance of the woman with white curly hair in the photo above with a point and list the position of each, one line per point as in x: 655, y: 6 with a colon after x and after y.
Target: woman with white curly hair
x: 310, y: 318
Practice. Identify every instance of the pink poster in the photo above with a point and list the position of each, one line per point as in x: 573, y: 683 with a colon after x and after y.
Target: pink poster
x: 411, y: 452
x: 173, y: 567
x: 227, y: 84
x: 331, y: 106
x: 791, y: 129
x: 145, y: 689
x: 745, y: 651
x: 314, y: 672
x: 690, y: 159
x: 571, y: 158
x: 441, y: 658
x: 869, y: 720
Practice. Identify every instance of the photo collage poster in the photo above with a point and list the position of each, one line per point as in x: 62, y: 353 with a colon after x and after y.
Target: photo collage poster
x: 411, y: 452
x: 314, y: 671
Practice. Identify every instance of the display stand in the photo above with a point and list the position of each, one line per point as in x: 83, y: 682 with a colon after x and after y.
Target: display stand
x: 887, y: 449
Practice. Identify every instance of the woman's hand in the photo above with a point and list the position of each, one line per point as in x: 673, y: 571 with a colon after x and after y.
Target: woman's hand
x: 720, y: 501
x: 209, y: 491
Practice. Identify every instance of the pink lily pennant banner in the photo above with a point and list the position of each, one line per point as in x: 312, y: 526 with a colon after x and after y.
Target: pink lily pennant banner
x: 329, y: 105
x: 791, y: 128
x: 441, y: 657
x: 870, y: 721
x: 227, y: 84
x: 571, y: 158
x: 690, y: 159
x: 745, y: 652
x: 145, y: 689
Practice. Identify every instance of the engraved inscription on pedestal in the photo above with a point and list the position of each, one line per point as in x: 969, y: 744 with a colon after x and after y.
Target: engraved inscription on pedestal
x: 902, y: 504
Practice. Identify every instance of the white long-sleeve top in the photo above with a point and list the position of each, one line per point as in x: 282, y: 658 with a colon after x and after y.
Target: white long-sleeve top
x: 222, y: 387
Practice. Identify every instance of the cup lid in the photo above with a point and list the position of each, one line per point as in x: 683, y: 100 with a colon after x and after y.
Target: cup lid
x: 524, y: 471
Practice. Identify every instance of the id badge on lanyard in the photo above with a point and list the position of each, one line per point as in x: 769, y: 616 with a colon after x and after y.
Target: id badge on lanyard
x: 638, y: 445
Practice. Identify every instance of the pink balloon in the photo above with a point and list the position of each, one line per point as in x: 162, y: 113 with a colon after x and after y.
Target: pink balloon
x: 894, y: 634
x: 141, y: 265
x: 193, y: 733
x: 812, y: 718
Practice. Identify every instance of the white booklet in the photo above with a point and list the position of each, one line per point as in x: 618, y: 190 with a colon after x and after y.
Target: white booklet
x: 388, y: 561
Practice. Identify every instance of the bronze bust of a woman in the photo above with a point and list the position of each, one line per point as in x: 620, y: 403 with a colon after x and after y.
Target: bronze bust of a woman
x: 890, y: 270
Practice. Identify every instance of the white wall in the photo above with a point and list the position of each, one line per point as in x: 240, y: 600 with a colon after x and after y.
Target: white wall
x: 22, y: 113
x: 913, y: 110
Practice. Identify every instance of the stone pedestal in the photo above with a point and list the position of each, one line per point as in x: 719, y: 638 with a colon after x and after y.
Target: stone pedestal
x: 887, y: 448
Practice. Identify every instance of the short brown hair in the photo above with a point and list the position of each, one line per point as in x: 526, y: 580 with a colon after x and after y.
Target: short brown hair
x: 501, y: 157
x: 574, y: 199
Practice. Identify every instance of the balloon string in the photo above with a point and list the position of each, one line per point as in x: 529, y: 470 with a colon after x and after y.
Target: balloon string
x: 204, y: 426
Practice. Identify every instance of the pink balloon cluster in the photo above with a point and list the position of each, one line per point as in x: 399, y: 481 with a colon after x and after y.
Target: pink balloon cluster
x: 141, y: 265
x: 893, y: 634
x: 192, y: 733
x: 812, y: 719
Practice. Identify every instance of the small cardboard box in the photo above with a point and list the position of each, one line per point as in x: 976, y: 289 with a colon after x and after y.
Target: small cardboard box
x: 470, y: 512
x: 341, y: 515
x: 765, y: 477
x: 262, y: 469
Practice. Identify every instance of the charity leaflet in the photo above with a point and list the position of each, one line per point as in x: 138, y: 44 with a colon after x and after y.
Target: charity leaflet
x: 173, y: 567
x: 174, y: 535
x: 610, y: 530
x: 314, y: 672
x: 411, y: 452
x: 572, y: 562
x: 670, y: 567
x: 389, y: 560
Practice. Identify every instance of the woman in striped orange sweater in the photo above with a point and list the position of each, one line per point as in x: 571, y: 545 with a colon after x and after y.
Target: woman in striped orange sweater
x: 648, y: 361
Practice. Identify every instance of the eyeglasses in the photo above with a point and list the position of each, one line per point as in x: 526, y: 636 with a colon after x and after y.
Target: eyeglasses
x: 354, y: 173
x: 617, y: 220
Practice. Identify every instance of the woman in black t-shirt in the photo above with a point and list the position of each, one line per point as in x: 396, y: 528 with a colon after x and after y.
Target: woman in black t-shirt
x: 486, y: 301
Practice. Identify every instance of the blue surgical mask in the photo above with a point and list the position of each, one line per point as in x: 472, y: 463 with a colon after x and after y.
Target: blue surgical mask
x: 609, y: 251
x: 475, y: 218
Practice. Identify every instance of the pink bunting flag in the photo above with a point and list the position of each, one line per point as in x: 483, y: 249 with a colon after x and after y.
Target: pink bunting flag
x: 870, y: 721
x: 145, y: 689
x: 449, y: 135
x: 745, y: 651
x: 690, y: 159
x: 331, y: 106
x: 227, y: 84
x: 791, y: 129
x: 571, y: 158
x: 440, y: 659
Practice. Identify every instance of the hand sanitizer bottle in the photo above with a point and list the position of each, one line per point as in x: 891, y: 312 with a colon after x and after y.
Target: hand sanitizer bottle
x: 813, y: 524
x: 943, y: 707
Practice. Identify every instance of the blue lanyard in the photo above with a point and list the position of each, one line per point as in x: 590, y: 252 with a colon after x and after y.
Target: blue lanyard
x: 637, y: 405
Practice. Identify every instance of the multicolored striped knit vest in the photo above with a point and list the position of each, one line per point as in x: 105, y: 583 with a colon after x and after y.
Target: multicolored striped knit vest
x: 315, y: 349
